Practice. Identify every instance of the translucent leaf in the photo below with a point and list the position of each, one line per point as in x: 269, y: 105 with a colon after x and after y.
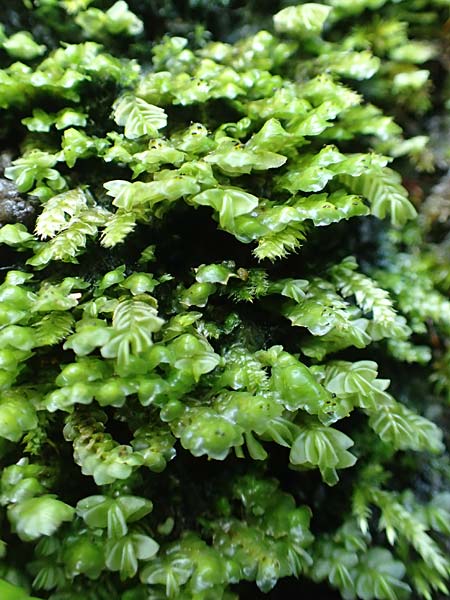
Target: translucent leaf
x: 59, y: 210
x: 297, y: 386
x: 172, y: 574
x: 228, y: 202
x: 402, y: 428
x: 203, y: 431
x: 123, y: 554
x: 22, y: 45
x: 84, y: 556
x: 170, y: 186
x: 133, y: 323
x: 117, y: 228
x: 353, y: 378
x: 355, y: 65
x: 159, y: 153
x: 193, y: 355
x: 36, y: 517
x: 113, y: 513
x: 34, y: 167
x: 306, y: 19
x: 117, y: 20
x: 383, y: 189
x: 70, y: 117
x: 17, y: 415
x: 216, y: 273
x: 325, y: 209
x: 380, y: 576
x: 138, y: 117
x: 236, y: 159
x: 90, y: 334
x: 76, y: 144
x: 40, y: 121
x: 53, y: 328
x: 120, y: 20
x: 324, y: 447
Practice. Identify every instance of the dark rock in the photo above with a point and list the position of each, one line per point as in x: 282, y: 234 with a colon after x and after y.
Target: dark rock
x: 14, y: 208
x: 6, y: 158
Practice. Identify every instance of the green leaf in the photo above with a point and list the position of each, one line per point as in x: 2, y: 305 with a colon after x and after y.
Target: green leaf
x: 118, y: 227
x: 22, y: 45
x: 84, y: 556
x: 325, y: 447
x: 228, y: 202
x: 324, y: 209
x: 12, y: 592
x: 380, y: 576
x: 16, y: 236
x: 58, y: 212
x: 133, y: 323
x: 117, y: 20
x: 160, y: 152
x: 355, y: 65
x: 36, y: 517
x: 203, y: 431
x: 70, y: 117
x: 33, y: 168
x: 122, y: 555
x: 193, y: 355
x: 120, y: 20
x: 17, y: 416
x: 53, y: 328
x: 138, y: 117
x: 306, y: 19
x: 90, y: 334
x: 297, y: 386
x: 383, y: 189
x: 113, y: 513
x: 18, y: 337
x: 170, y: 573
x: 40, y: 121
x: 76, y: 144
x: 235, y: 159
x: 354, y: 378
x: 402, y: 428
x: 216, y: 273
x: 170, y: 186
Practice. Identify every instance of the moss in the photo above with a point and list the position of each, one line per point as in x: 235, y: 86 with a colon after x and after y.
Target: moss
x: 224, y: 312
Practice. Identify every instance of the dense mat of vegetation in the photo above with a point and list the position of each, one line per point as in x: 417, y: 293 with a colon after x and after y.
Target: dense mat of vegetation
x: 224, y: 312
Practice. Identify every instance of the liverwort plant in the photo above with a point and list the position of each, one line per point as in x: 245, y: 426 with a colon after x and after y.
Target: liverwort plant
x: 223, y: 339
